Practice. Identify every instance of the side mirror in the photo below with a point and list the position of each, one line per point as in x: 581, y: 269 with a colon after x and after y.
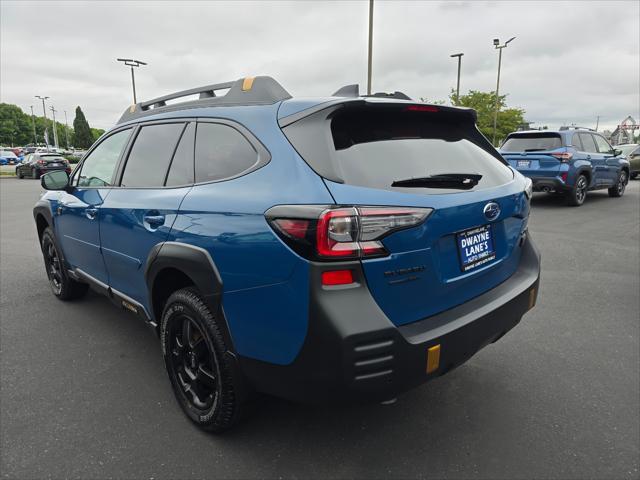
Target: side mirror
x: 58, y: 180
x: 617, y: 152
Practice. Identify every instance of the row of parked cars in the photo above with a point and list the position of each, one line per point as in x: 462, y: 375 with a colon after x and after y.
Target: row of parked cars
x: 16, y: 155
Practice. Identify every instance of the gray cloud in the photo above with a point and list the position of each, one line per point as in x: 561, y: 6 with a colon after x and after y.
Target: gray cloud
x: 570, y: 62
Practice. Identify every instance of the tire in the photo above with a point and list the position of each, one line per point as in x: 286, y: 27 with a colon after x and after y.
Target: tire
x: 618, y: 189
x: 35, y: 173
x: 203, y: 378
x: 19, y: 173
x: 577, y: 195
x: 63, y: 287
x: 634, y: 175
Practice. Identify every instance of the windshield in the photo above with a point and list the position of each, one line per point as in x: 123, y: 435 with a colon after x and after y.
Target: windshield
x: 627, y: 149
x: 531, y: 142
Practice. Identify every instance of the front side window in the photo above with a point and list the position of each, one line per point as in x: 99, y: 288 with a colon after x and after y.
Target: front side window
x: 603, y: 145
x: 150, y: 155
x: 222, y: 152
x: 97, y: 169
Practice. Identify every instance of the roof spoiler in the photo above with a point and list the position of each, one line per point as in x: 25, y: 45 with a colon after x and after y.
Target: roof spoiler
x: 353, y: 91
x: 261, y: 90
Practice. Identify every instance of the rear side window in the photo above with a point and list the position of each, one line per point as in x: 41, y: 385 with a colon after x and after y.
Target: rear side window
x: 577, y: 144
x: 181, y: 170
x: 532, y: 142
x: 222, y: 152
x: 98, y: 168
x: 150, y: 155
x: 587, y: 143
x: 377, y: 147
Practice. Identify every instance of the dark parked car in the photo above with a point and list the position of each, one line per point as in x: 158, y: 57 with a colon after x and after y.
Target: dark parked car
x: 37, y: 164
x: 320, y: 250
x: 632, y: 152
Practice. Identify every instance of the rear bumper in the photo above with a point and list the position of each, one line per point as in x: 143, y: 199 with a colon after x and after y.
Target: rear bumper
x: 354, y: 353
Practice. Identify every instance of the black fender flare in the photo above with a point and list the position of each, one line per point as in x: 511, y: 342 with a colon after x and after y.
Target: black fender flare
x: 588, y: 171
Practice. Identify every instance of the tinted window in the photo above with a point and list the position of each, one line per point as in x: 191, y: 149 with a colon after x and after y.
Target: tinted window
x: 150, y: 155
x: 98, y: 167
x: 603, y: 145
x: 376, y: 148
x: 587, y: 143
x: 181, y: 170
x: 222, y: 152
x: 530, y: 142
x: 575, y: 141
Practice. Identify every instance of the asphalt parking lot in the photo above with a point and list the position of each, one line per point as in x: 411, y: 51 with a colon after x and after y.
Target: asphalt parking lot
x: 84, y: 394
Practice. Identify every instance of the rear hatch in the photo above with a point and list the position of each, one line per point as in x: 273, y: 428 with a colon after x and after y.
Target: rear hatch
x: 53, y: 161
x: 532, y: 153
x: 396, y: 154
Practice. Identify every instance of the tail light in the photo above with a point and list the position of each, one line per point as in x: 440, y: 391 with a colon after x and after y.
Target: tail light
x: 322, y: 233
x: 564, y: 157
x: 41, y: 162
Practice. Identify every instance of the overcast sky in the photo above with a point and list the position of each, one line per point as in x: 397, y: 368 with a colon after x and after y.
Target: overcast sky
x: 570, y: 62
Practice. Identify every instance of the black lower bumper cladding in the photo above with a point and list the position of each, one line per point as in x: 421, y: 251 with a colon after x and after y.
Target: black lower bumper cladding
x: 354, y: 353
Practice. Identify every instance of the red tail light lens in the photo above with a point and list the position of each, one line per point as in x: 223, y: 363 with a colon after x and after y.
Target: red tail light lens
x: 342, y: 233
x: 421, y: 108
x: 41, y: 162
x: 564, y: 157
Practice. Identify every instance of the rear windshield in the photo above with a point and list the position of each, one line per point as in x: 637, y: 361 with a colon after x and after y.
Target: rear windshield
x: 531, y: 142
x: 376, y: 148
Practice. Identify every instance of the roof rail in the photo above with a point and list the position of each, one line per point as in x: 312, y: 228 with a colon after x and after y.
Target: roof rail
x: 574, y: 127
x: 354, y: 91
x: 261, y: 90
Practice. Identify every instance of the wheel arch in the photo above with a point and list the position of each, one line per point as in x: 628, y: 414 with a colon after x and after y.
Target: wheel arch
x: 586, y: 171
x: 175, y: 265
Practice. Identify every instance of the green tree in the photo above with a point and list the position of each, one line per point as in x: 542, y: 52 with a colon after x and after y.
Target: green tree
x: 83, y: 137
x: 509, y: 119
x: 15, y: 126
x: 96, y: 133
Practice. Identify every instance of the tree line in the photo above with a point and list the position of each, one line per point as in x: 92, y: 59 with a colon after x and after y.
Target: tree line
x: 16, y: 129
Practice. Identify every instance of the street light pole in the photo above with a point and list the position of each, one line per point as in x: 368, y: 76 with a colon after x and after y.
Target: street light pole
x: 44, y: 110
x: 496, y: 44
x: 33, y: 122
x: 370, y: 59
x: 66, y: 129
x: 459, y: 55
x: 55, y: 128
x: 132, y: 63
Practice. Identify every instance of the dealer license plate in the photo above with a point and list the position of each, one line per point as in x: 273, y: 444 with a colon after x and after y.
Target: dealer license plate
x: 475, y: 247
x: 523, y: 164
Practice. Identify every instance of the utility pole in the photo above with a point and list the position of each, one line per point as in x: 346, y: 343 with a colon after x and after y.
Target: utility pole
x: 132, y: 63
x: 44, y: 110
x: 496, y: 44
x: 33, y: 122
x: 597, y: 122
x: 55, y: 128
x: 370, y: 61
x: 66, y: 130
x: 459, y: 55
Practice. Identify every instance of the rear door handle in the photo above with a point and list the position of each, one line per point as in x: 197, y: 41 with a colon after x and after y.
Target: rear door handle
x: 91, y: 213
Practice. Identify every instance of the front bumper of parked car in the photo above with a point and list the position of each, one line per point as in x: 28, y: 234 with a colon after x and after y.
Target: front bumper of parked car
x: 354, y: 353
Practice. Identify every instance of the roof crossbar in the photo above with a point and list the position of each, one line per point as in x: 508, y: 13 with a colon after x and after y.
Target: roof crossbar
x: 261, y: 90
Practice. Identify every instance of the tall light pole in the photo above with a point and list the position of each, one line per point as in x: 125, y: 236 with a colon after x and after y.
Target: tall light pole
x: 459, y: 55
x: 44, y: 110
x: 33, y: 122
x: 496, y: 44
x: 55, y: 128
x: 66, y: 129
x: 370, y: 60
x: 132, y: 63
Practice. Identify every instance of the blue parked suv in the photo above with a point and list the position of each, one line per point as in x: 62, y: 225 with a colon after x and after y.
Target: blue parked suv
x: 570, y: 161
x: 345, y: 248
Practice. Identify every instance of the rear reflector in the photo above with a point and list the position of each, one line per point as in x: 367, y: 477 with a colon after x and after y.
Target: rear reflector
x: 563, y: 176
x: 433, y: 358
x: 337, y: 277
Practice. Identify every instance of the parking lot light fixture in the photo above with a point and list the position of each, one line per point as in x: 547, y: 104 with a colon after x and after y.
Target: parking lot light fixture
x: 132, y: 63
x: 497, y: 46
x: 459, y: 55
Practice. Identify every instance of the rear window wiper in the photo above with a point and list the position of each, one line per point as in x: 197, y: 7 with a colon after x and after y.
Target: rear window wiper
x: 459, y: 181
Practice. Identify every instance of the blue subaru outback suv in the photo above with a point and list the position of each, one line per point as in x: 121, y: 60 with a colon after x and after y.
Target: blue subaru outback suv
x: 345, y: 248
x: 570, y: 161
